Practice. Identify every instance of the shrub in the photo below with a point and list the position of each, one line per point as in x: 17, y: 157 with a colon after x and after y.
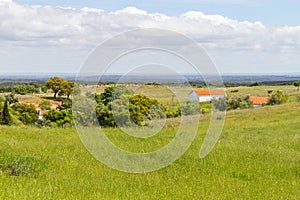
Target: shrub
x: 11, y: 98
x: 219, y: 104
x: 277, y: 98
x: 148, y: 108
x: 26, y: 113
x: 44, y: 89
x: 25, y: 89
x: 189, y: 108
x: 65, y: 105
x: 45, y: 105
x: 59, y: 118
x: 42, y: 123
x: 254, y: 84
x: 129, y: 110
x: 205, y: 107
x: 239, y: 103
x: 112, y: 93
x: 172, y: 113
x: 104, y: 116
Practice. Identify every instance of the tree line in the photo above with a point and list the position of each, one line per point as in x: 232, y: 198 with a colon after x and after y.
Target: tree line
x: 116, y: 106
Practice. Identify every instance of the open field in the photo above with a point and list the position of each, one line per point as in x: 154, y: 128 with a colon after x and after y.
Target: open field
x: 165, y: 95
x: 257, y: 157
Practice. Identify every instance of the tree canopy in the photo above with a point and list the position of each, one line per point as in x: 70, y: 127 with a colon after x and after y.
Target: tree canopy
x: 297, y: 84
x: 57, y: 85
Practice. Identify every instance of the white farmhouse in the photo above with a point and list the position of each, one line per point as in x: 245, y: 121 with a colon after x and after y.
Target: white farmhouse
x: 206, y: 95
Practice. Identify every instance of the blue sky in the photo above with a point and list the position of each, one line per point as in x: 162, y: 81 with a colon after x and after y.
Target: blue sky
x: 240, y: 36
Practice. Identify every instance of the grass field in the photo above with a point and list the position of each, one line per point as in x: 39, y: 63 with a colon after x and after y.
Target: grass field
x: 257, y: 157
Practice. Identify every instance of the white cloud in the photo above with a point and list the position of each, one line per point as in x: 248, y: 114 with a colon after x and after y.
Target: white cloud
x: 48, y: 27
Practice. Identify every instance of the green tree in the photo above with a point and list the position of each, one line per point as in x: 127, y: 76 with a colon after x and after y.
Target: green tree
x: 25, y: 89
x: 6, y: 118
x: 67, y: 89
x: 65, y: 105
x: 57, y: 85
x: 11, y: 98
x: 27, y: 113
x: 112, y: 93
x: 297, y: 84
x: 44, y: 89
x: 254, y: 84
x: 149, y: 108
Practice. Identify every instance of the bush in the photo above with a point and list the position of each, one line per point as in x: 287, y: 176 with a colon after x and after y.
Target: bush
x: 44, y: 89
x: 112, y: 93
x: 65, y: 105
x: 59, y: 118
x: 129, y: 110
x: 277, y: 98
x: 254, y: 84
x: 42, y: 123
x: 11, y: 98
x: 239, y: 103
x: 25, y: 89
x: 45, y: 105
x: 190, y: 108
x: 205, y: 107
x: 104, y: 116
x: 172, y: 113
x: 219, y: 104
x: 26, y: 113
x: 148, y: 108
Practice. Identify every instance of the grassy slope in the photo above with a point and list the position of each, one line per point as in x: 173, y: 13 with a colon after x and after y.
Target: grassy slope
x: 257, y: 157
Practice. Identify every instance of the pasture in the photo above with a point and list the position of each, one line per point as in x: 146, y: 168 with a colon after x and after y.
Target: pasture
x: 257, y: 157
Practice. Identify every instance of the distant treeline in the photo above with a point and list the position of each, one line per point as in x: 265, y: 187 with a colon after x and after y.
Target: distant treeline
x: 28, y: 88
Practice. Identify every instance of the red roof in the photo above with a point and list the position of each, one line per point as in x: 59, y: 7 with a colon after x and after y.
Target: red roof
x: 259, y: 100
x: 210, y: 92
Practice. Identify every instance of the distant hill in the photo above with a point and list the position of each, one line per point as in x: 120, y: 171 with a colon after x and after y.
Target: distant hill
x: 241, y: 79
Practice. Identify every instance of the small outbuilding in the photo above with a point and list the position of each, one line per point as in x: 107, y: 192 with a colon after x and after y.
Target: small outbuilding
x: 206, y: 95
x: 259, y: 101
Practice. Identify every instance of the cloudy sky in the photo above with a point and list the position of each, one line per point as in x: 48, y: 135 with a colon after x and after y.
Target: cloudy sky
x: 241, y: 36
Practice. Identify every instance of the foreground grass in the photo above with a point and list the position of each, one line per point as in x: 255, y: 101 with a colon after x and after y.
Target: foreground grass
x: 257, y: 157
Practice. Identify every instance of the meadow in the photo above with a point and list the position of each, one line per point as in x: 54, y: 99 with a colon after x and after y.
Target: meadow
x: 257, y: 157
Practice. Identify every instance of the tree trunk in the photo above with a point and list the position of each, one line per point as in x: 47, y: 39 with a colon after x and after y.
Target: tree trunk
x: 55, y: 95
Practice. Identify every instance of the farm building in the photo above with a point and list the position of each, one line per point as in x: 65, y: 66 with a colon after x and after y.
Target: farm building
x: 206, y: 95
x: 259, y: 101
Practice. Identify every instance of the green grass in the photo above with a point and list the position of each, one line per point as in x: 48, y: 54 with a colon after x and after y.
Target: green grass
x: 262, y: 90
x: 257, y: 157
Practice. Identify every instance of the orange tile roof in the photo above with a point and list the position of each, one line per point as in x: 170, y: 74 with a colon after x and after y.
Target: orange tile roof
x: 210, y: 92
x: 259, y: 100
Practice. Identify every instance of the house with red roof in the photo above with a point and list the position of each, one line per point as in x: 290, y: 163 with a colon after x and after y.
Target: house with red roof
x: 206, y: 95
x: 259, y: 101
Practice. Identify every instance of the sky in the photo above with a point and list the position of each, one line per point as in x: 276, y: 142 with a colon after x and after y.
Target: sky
x: 240, y: 36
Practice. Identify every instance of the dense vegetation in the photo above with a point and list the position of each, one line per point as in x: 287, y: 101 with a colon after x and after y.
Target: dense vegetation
x: 116, y: 105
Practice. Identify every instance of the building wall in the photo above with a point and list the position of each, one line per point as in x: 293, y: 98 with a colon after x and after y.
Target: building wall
x: 194, y: 97
x: 208, y: 98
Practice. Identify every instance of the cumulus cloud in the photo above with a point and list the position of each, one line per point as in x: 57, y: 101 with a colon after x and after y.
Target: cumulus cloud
x: 25, y: 26
x: 48, y: 25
